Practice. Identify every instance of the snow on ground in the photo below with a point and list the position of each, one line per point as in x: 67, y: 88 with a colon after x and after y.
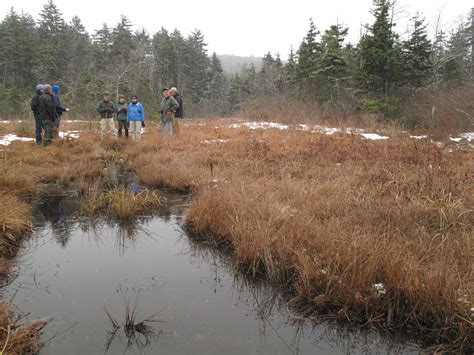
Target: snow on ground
x: 373, y: 136
x: 419, y: 137
x: 69, y: 134
x: 75, y: 121
x: 261, y: 125
x: 9, y: 138
x: 380, y: 288
x: 6, y: 121
x: 469, y: 136
x: 222, y: 141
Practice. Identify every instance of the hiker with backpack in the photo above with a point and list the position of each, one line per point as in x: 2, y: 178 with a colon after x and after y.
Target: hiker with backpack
x: 36, y: 113
x: 180, y: 111
x: 47, y: 112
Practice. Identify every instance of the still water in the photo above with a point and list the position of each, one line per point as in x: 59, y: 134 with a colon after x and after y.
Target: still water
x: 72, y: 270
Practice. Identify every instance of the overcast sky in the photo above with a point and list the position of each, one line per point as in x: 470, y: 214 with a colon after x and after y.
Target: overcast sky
x: 243, y: 27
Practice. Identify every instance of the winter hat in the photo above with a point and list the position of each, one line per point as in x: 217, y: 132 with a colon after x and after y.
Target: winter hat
x: 56, y: 88
x: 39, y: 87
x: 173, y: 89
x: 121, y: 97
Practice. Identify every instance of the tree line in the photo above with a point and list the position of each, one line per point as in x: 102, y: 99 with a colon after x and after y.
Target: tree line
x: 375, y: 75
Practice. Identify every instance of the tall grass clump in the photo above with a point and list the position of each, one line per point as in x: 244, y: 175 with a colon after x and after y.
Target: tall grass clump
x: 121, y: 204
x: 14, y: 221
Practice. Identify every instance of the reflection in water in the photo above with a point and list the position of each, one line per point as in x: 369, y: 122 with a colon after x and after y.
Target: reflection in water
x: 266, y: 301
x: 73, y: 268
x: 137, y: 333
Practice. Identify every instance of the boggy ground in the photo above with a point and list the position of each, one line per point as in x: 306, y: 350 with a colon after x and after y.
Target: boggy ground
x: 24, y: 167
x: 374, y: 232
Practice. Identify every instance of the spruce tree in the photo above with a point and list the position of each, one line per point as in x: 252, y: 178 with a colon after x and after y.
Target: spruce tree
x: 380, y: 54
x: 417, y: 66
x: 332, y: 64
x: 308, y: 55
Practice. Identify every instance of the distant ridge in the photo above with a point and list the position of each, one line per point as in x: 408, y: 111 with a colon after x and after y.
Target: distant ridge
x: 233, y: 64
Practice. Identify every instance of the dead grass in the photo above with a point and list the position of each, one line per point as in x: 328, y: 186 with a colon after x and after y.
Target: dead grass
x: 367, y: 231
x: 120, y: 203
x: 17, y: 337
x: 14, y: 222
x: 371, y: 232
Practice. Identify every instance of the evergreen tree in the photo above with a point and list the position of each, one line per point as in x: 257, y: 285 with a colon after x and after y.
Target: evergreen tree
x: 197, y: 66
x: 456, y: 68
x: 165, y: 58
x: 332, y: 64
x: 54, y: 44
x: 417, y: 66
x: 180, y: 65
x: 290, y: 70
x: 216, y: 92
x: 380, y: 53
x: 308, y: 55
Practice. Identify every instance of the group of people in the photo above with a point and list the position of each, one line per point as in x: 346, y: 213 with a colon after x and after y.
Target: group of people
x: 131, y: 116
x: 48, y: 109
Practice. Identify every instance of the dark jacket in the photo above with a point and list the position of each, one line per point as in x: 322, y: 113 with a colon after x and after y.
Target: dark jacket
x: 46, y: 108
x: 121, y: 110
x: 106, y: 109
x: 59, y: 106
x: 180, y: 111
x: 168, y: 105
x: 35, y: 104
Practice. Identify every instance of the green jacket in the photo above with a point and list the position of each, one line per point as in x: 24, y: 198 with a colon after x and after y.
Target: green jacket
x: 168, y: 105
x: 121, y: 110
x: 106, y: 109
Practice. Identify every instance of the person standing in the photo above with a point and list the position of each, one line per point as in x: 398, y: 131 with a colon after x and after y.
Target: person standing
x: 168, y: 108
x: 36, y: 113
x: 106, y: 110
x: 136, y: 118
x: 60, y: 109
x: 47, y: 112
x: 180, y: 112
x: 121, y: 109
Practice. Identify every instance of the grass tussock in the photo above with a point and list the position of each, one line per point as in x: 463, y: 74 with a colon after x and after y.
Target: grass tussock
x: 372, y: 232
x: 14, y: 221
x: 17, y: 337
x: 120, y: 203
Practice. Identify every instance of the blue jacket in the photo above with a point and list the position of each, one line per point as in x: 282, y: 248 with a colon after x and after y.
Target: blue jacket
x: 135, y: 112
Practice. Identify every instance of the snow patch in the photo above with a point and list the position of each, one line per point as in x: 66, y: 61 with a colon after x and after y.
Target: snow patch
x: 260, y: 125
x: 469, y: 136
x: 69, y: 134
x: 222, y: 141
x: 76, y: 121
x: 374, y: 136
x: 9, y: 138
x: 380, y: 288
x: 419, y: 137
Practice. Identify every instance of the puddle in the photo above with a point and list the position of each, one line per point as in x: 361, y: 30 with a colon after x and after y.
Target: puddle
x: 71, y: 270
